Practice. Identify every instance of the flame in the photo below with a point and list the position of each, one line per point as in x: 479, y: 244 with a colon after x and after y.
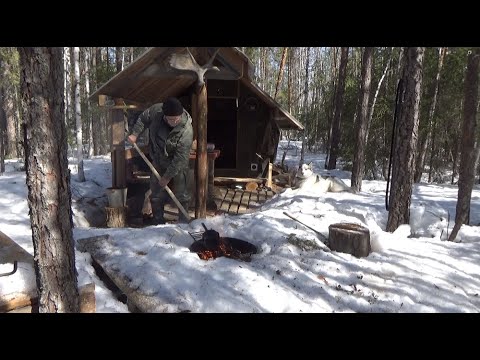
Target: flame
x: 206, y: 255
x: 224, y: 249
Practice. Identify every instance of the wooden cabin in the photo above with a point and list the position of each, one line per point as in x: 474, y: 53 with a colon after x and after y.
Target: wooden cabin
x: 243, y: 122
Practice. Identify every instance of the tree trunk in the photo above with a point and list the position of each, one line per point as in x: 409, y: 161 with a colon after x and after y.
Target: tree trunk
x: 119, y: 59
x: 289, y: 82
x: 432, y: 153
x: 304, y: 109
x: 89, y: 117
x: 456, y: 152
x: 8, y: 89
x: 467, y: 157
x: 280, y: 71
x: 330, y: 102
x: 337, y: 117
x: 427, y: 138
x: 361, y: 125
x: 372, y: 108
x: 406, y: 130
x: 78, y: 114
x: 19, y: 128
x: 67, y: 86
x: 3, y: 132
x: 48, y: 178
x: 3, y: 116
x: 96, y: 128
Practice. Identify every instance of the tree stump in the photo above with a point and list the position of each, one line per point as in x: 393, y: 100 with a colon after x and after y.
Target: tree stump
x: 349, y: 238
x: 116, y: 216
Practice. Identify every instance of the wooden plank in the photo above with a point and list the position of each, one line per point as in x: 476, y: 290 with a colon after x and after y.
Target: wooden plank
x: 269, y: 175
x: 269, y: 194
x: 19, y: 289
x: 243, y: 207
x: 235, y: 203
x: 225, y: 206
x: 261, y: 196
x: 10, y: 250
x: 223, y: 180
x: 23, y: 298
x: 123, y: 107
x: 100, y: 248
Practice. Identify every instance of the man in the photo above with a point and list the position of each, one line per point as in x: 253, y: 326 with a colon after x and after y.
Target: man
x: 171, y: 136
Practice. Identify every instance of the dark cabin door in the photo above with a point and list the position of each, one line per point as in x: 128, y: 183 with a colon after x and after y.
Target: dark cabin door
x: 222, y: 130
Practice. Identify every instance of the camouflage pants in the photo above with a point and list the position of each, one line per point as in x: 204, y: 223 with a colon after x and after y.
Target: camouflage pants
x: 178, y: 184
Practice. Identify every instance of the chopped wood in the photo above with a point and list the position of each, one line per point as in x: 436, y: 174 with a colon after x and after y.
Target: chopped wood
x: 251, y: 186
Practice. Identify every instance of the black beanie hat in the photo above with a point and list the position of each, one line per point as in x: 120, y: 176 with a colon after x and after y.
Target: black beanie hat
x: 172, y: 107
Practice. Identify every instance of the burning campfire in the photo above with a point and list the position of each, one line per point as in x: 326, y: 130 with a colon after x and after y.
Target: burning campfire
x: 210, y: 245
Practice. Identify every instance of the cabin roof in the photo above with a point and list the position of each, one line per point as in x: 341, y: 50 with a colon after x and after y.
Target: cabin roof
x: 150, y: 79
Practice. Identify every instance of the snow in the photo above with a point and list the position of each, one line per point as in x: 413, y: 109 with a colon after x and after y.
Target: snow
x: 413, y: 269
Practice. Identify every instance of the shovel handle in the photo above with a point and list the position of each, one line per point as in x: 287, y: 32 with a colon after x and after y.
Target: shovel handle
x: 157, y: 175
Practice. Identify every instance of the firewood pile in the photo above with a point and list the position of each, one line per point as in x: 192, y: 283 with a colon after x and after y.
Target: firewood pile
x: 210, y: 245
x: 282, y: 176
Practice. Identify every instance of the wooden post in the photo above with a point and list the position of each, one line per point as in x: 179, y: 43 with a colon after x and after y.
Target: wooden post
x: 119, y: 180
x: 349, y: 238
x: 87, y: 298
x: 269, y: 175
x: 201, y: 160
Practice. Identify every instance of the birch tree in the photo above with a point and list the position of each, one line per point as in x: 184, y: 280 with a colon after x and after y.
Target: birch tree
x: 89, y: 117
x: 78, y: 114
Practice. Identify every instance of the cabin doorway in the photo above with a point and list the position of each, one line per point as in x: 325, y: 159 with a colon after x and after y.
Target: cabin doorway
x: 222, y: 130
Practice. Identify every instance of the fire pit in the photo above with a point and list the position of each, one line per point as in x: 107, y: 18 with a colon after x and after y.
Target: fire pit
x: 210, y: 245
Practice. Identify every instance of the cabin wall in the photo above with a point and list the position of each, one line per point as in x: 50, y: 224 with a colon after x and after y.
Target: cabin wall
x: 239, y: 124
x: 253, y: 117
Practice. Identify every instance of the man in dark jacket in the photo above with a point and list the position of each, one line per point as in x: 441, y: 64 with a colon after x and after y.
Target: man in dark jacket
x: 171, y: 136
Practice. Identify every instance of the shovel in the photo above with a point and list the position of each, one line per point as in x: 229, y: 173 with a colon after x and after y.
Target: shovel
x: 157, y: 175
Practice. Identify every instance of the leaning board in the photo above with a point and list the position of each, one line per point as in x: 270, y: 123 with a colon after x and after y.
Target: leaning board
x: 19, y: 289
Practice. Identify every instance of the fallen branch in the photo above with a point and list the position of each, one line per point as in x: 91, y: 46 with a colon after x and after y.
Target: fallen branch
x: 323, y: 237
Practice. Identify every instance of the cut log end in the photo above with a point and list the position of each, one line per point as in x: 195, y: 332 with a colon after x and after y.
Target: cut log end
x: 349, y: 238
x: 116, y: 216
x: 251, y: 186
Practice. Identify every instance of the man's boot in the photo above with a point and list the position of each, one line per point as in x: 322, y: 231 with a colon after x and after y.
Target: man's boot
x: 158, y: 212
x: 181, y: 217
